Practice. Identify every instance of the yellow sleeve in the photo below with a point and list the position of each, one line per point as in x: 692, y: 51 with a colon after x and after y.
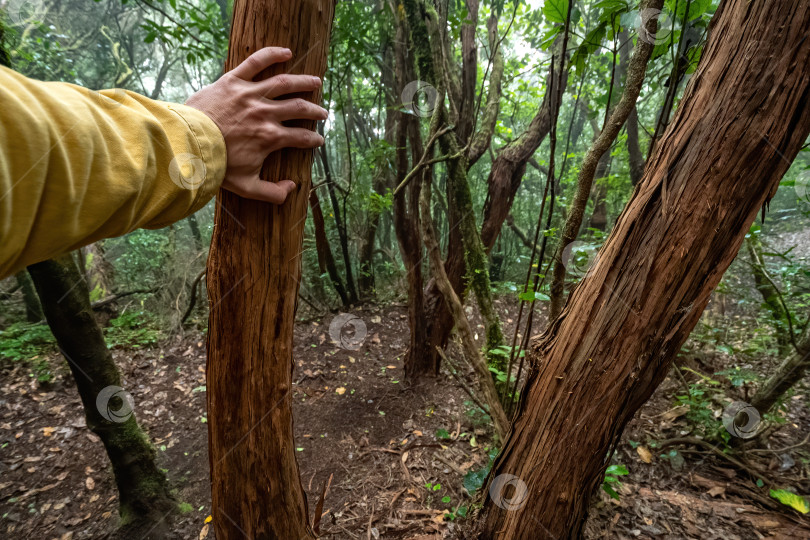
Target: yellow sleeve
x: 77, y: 166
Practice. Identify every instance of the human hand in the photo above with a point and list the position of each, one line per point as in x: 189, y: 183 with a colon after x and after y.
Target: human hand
x: 250, y: 119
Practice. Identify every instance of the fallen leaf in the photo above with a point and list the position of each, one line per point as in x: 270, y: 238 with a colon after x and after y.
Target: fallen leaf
x: 90, y: 483
x: 645, y: 454
x: 340, y: 390
x: 48, y: 431
x: 204, y: 531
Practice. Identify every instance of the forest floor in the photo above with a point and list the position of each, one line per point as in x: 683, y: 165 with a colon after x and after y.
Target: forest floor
x: 380, y: 446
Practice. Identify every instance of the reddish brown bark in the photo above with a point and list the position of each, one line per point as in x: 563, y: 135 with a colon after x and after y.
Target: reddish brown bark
x: 421, y: 359
x: 742, y: 120
x: 254, y: 270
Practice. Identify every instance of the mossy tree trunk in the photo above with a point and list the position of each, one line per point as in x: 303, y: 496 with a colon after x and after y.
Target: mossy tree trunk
x: 33, y: 309
x: 428, y: 45
x: 770, y: 294
x: 786, y: 376
x: 145, y: 501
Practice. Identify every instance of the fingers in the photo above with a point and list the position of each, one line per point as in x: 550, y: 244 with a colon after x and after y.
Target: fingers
x: 260, y: 190
x: 259, y: 61
x: 272, y: 192
x: 297, y: 109
x: 295, y: 137
x: 284, y: 84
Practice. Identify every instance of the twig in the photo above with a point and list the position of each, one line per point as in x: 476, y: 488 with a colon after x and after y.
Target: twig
x: 423, y: 160
x: 453, y: 371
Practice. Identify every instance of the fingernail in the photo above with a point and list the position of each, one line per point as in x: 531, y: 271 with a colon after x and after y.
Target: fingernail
x: 316, y: 80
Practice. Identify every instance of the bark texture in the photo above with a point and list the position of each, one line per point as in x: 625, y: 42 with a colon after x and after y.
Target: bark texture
x: 254, y: 271
x: 742, y: 120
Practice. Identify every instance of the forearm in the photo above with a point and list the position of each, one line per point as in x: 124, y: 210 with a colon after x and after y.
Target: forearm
x: 77, y: 166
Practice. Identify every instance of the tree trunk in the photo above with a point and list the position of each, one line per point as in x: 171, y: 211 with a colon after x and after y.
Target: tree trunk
x: 635, y: 78
x: 507, y: 170
x: 326, y: 260
x: 742, y: 120
x: 382, y: 176
x: 195, y: 232
x: 790, y: 372
x: 769, y: 293
x: 634, y: 155
x: 340, y: 225
x: 144, y: 498
x: 33, y: 310
x: 428, y: 46
x: 420, y: 360
x: 254, y: 272
x: 462, y: 324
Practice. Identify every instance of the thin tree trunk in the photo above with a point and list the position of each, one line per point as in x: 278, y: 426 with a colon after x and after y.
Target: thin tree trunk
x: 195, y: 232
x: 33, y: 310
x: 786, y: 376
x: 145, y: 503
x: 635, y: 157
x: 635, y: 78
x: 326, y: 260
x: 427, y: 42
x: 339, y: 225
x: 480, y: 142
x: 507, y: 170
x: 382, y: 177
x: 770, y: 295
x: 420, y: 360
x: 742, y: 120
x: 465, y: 333
x: 254, y: 272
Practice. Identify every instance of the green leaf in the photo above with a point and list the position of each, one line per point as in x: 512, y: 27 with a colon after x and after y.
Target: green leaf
x: 530, y: 296
x: 792, y: 500
x: 610, y: 491
x: 617, y: 470
x: 555, y: 10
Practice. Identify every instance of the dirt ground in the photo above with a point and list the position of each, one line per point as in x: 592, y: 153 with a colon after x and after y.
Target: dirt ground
x: 380, y: 446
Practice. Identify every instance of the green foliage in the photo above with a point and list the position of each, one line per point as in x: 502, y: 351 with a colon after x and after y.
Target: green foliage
x: 611, y: 481
x: 474, y: 480
x: 22, y: 341
x: 133, y: 329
